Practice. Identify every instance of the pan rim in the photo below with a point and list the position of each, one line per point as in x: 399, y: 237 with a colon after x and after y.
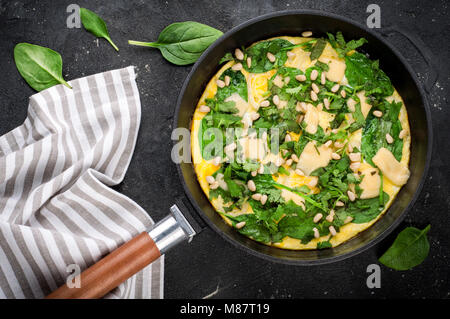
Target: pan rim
x: 417, y: 192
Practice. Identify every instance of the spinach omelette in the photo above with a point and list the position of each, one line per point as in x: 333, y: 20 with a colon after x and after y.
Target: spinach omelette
x: 301, y: 142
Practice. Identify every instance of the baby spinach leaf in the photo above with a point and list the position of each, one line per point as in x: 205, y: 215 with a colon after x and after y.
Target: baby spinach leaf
x: 342, y: 47
x: 41, y: 67
x: 317, y: 49
x: 362, y: 72
x: 258, y: 54
x: 95, y: 25
x: 183, y: 43
x: 238, y: 84
x: 323, y: 244
x: 409, y: 249
x: 364, y: 210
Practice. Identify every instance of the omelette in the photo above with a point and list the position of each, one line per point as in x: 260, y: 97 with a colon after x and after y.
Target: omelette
x: 300, y: 142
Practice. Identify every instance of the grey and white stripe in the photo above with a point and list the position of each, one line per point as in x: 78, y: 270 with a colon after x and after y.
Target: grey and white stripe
x: 56, y: 208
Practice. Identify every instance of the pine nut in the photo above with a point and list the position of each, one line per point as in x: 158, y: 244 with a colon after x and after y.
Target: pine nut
x: 271, y: 57
x: 335, y: 156
x: 315, y: 88
x: 314, y: 96
x: 276, y: 99
x: 264, y: 103
x: 251, y: 185
x: 332, y: 230
x: 355, y: 166
x: 256, y: 196
x: 279, y: 161
x: 313, y: 182
x: 377, y: 113
x: 289, y: 162
x: 287, y: 80
x: 355, y: 157
x: 240, y: 225
x: 351, y: 196
x: 328, y: 143
x: 298, y: 171
x: 230, y: 147
x: 339, y: 203
x: 314, y: 74
x: 389, y: 138
x: 334, y: 131
x: 294, y: 158
x: 300, y: 77
x: 291, y: 55
x: 204, y: 108
x: 227, y: 80
x: 210, y: 179
x: 249, y: 62
x: 254, y: 173
x: 254, y: 116
x: 306, y: 34
x: 216, y: 161
x: 343, y: 94
x: 330, y: 216
x: 239, y: 54
x: 335, y: 88
x: 338, y: 144
x: 402, y: 134
x: 261, y: 169
x: 288, y: 138
x: 220, y: 83
x: 317, y: 218
x: 237, y: 67
x: 323, y: 78
x: 348, y: 219
x: 301, y: 107
x: 263, y: 199
x: 214, y: 185
x: 316, y: 232
x: 326, y: 103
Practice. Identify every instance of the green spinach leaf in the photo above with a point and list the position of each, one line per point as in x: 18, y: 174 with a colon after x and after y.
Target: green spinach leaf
x: 95, y: 25
x: 409, y: 249
x: 183, y: 43
x: 41, y: 67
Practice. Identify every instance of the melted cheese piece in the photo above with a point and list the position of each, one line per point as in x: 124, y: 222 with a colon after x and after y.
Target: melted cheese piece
x: 371, y: 181
x: 240, y: 103
x: 336, y: 64
x: 365, y: 107
x: 253, y: 148
x: 390, y: 167
x: 315, y: 117
x: 311, y: 160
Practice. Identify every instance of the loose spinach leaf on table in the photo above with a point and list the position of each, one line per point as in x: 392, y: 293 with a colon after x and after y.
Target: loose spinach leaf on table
x: 258, y: 55
x: 182, y: 43
x: 409, y: 249
x: 41, y: 67
x: 95, y: 25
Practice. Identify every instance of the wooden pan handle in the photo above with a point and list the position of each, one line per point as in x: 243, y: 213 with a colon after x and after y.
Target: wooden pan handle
x: 112, y: 270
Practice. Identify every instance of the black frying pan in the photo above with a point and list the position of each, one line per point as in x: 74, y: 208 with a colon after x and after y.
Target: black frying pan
x: 149, y: 245
x: 404, y: 80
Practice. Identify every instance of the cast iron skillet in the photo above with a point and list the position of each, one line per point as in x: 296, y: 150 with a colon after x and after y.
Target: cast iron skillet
x: 404, y: 80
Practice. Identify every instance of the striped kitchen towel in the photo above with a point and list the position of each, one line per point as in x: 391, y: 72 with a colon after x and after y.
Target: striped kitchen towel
x: 57, y: 212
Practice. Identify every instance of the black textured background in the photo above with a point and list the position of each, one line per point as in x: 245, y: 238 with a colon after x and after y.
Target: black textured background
x: 209, y: 265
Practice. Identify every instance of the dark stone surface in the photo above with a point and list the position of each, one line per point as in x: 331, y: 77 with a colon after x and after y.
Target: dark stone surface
x: 209, y: 264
